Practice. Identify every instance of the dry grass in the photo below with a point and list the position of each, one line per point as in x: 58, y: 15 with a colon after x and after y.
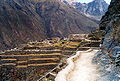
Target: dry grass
x: 74, y: 43
x: 21, y: 66
x: 30, y: 55
x: 8, y: 59
x: 56, y: 45
x: 45, y: 46
x: 44, y: 54
x: 7, y: 64
x: 68, y: 46
x: 44, y: 64
x: 45, y: 59
x: 13, y: 55
x: 21, y: 61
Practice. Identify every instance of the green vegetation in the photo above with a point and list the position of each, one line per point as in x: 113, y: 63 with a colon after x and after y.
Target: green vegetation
x: 96, y: 35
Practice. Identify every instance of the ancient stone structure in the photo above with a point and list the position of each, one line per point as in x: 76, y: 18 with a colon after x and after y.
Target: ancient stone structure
x: 77, y: 36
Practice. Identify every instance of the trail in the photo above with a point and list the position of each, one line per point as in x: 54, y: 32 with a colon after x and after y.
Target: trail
x: 82, y: 68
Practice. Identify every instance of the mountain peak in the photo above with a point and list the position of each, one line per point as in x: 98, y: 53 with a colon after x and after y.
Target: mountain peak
x: 99, y: 1
x: 95, y: 9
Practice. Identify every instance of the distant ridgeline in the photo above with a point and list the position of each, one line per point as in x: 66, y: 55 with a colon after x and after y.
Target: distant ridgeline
x: 108, y: 58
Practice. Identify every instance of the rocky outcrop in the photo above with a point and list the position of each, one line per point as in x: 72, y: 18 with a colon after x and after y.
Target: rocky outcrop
x: 108, y: 59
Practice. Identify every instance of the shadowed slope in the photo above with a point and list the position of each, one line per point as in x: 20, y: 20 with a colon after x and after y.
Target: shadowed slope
x: 24, y: 20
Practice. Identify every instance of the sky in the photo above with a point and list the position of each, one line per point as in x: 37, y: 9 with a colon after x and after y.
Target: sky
x: 86, y: 1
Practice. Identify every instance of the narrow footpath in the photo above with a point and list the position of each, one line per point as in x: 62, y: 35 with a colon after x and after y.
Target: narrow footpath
x: 82, y: 68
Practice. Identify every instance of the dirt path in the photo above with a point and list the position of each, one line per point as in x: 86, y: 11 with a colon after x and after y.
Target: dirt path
x: 84, y: 70
x: 79, y: 68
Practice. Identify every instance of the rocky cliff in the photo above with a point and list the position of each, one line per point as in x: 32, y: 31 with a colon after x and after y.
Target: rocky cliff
x: 95, y: 9
x: 25, y: 20
x: 108, y: 59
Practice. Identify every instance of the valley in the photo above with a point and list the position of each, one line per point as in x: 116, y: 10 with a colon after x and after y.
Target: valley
x: 22, y: 21
x: 41, y: 60
x: 59, y: 40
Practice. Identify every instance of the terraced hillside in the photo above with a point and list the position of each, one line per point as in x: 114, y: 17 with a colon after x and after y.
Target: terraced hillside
x: 37, y: 60
x: 28, y: 65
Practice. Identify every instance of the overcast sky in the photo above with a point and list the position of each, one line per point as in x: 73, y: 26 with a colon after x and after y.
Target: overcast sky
x: 86, y: 1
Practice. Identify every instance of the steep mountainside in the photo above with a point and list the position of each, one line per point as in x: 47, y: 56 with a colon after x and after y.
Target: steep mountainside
x: 19, y: 23
x: 95, y: 9
x: 69, y: 2
x: 24, y: 20
x: 108, y: 59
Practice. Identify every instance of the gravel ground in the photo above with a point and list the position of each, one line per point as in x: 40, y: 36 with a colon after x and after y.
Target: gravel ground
x: 82, y: 68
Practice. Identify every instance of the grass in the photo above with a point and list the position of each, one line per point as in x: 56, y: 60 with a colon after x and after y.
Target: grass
x: 45, y: 59
x: 74, y: 43
x: 68, y: 46
x: 44, y: 54
x: 13, y: 55
x: 21, y: 61
x: 9, y: 64
x: 45, y: 46
x: 30, y: 55
x: 21, y: 66
x: 8, y: 59
x: 43, y: 64
x: 57, y: 45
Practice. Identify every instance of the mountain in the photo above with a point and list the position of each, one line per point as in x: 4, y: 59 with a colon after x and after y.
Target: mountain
x: 95, y: 9
x: 25, y: 20
x: 19, y: 23
x: 69, y: 2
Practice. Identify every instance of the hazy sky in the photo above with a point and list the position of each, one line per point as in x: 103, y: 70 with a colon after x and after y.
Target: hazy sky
x: 86, y: 1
